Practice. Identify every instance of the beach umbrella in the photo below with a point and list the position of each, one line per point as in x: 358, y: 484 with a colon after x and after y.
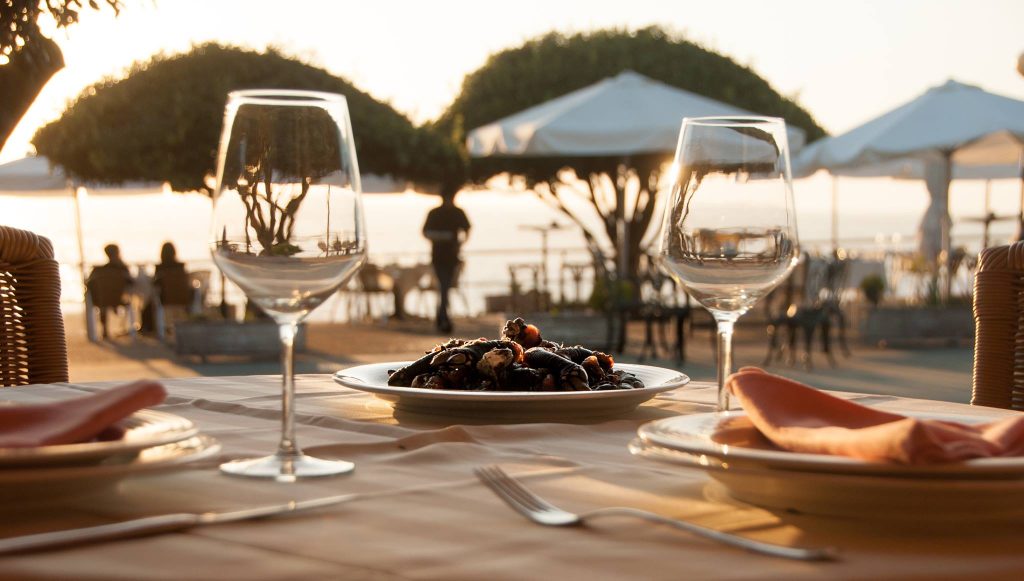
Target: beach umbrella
x: 907, y: 169
x: 618, y: 117
x: 950, y: 131
x: 627, y: 114
x: 32, y: 175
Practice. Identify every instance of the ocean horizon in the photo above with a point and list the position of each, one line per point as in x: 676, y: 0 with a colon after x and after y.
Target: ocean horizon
x: 869, y: 222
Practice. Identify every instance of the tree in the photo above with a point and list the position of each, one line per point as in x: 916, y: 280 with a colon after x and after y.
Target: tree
x: 620, y: 191
x: 162, y: 121
x: 28, y: 58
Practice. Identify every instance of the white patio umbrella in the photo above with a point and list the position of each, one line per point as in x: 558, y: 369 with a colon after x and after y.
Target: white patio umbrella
x: 909, y: 168
x: 628, y: 114
x: 953, y: 130
x: 622, y: 115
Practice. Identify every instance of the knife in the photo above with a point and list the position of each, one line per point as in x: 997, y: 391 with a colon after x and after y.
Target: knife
x: 153, y: 525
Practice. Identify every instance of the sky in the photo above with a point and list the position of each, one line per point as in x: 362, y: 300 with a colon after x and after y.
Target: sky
x: 846, y: 62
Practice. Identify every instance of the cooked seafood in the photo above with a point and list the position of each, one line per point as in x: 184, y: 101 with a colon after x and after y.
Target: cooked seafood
x: 521, y: 360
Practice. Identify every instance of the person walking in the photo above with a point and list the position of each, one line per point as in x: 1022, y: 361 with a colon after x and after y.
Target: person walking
x: 447, y: 227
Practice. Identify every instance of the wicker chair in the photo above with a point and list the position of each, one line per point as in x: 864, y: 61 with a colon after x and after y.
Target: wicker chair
x: 32, y: 343
x: 999, y: 328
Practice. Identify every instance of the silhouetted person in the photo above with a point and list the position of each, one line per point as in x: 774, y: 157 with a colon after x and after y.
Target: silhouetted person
x: 446, y: 227
x: 108, y: 283
x: 168, y: 270
x: 171, y: 283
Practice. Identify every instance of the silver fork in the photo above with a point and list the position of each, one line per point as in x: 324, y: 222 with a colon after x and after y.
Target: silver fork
x: 542, y: 512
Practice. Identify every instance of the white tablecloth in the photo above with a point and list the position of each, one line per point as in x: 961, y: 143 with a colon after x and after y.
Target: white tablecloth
x: 424, y: 515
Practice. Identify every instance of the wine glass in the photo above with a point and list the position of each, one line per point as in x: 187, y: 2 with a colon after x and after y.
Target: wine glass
x: 288, y: 229
x: 729, y: 231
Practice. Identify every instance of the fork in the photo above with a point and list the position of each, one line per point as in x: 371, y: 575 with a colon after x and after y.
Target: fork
x: 542, y: 512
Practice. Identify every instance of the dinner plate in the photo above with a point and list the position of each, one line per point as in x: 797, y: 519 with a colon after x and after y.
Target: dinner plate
x: 731, y: 438
x: 51, y: 483
x: 519, y: 405
x: 855, y: 496
x: 143, y: 429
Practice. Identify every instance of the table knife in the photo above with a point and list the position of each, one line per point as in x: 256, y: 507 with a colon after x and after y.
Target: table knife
x: 153, y: 525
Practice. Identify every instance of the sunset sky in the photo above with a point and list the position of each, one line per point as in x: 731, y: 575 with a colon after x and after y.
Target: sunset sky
x: 846, y: 61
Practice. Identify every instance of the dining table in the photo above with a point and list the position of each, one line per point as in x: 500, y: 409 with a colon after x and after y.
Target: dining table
x: 420, y: 513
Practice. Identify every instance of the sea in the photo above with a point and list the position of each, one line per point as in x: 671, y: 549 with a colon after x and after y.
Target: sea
x: 874, y: 216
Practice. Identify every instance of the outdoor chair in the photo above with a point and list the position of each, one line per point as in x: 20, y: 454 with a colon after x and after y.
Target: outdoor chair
x: 408, y: 279
x: 999, y: 328
x: 108, y: 289
x: 660, y: 310
x: 33, y: 348
x: 174, y: 298
x: 372, y: 281
x: 796, y: 309
x: 833, y: 308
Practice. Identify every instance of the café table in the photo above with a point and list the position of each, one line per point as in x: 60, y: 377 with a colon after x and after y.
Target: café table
x: 421, y: 514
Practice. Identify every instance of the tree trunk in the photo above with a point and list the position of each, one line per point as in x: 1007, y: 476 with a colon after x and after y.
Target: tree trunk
x: 23, y: 78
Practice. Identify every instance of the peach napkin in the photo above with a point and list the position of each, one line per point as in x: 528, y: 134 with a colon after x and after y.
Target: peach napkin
x: 799, y: 418
x: 75, y: 420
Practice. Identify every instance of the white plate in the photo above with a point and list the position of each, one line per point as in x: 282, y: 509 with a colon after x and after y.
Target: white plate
x: 519, y: 405
x: 58, y: 482
x: 703, y: 434
x: 143, y: 429
x: 913, y: 500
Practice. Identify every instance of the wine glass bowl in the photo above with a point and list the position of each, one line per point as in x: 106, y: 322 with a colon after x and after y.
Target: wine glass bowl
x: 287, y: 228
x: 729, y: 230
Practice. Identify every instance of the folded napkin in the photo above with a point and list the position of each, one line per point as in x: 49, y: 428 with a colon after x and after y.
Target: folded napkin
x: 799, y: 418
x: 75, y: 420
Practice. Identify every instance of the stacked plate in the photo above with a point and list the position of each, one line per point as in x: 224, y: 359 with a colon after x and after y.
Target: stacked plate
x: 758, y: 473
x: 146, y: 441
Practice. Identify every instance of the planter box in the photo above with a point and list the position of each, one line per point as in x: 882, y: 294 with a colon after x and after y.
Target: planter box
x: 253, y: 339
x: 918, y: 326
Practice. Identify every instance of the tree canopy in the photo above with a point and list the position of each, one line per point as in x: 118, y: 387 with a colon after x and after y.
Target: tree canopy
x: 621, y: 192
x: 555, y: 64
x: 162, y: 121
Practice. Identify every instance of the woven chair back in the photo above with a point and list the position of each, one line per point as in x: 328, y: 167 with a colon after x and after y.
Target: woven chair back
x: 999, y: 328
x: 33, y: 348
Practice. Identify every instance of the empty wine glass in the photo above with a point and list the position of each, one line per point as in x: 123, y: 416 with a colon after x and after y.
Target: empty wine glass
x: 288, y: 229
x: 729, y: 231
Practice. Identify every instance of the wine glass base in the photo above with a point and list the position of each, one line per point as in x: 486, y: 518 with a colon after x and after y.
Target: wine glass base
x: 286, y: 468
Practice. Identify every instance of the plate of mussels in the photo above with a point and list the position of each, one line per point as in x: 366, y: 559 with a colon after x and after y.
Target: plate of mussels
x: 519, y: 375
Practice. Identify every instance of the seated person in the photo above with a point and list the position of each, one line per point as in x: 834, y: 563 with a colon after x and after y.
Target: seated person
x: 170, y: 280
x: 171, y: 283
x: 108, y: 283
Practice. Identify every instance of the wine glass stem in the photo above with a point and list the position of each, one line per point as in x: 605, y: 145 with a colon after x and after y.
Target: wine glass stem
x: 288, y: 448
x: 725, y: 327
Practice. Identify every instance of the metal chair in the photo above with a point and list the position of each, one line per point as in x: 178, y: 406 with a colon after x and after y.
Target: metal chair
x: 33, y: 348
x: 999, y: 328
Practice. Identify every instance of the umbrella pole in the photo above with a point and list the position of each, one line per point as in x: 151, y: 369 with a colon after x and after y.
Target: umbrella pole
x: 835, y: 214
x: 78, y: 233
x: 945, y: 276
x: 90, y: 322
